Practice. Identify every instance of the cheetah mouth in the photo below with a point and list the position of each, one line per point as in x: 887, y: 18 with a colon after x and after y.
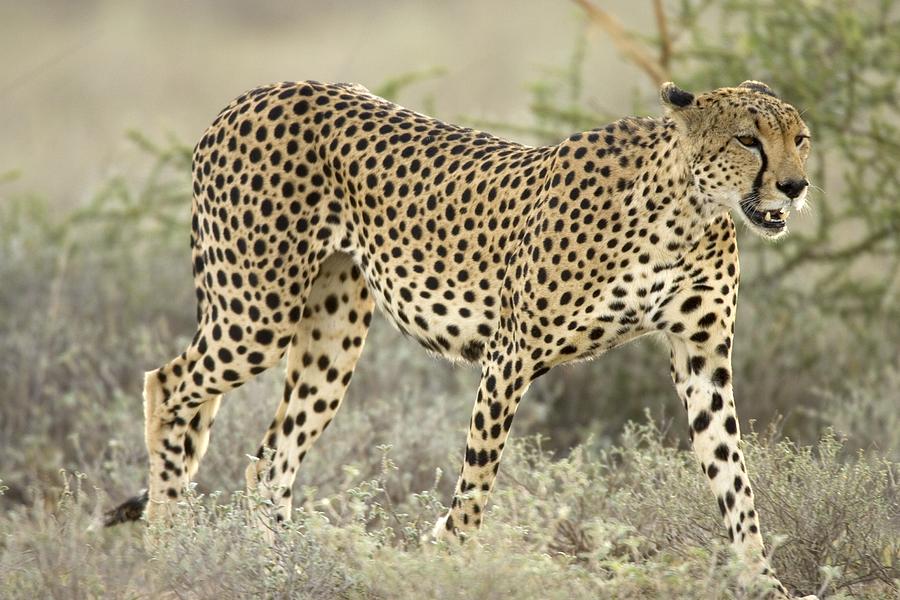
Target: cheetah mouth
x: 771, y: 221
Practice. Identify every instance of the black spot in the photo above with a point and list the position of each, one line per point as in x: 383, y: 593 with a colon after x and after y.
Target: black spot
x: 707, y: 320
x: 691, y: 304
x: 479, y: 421
x: 700, y: 337
x: 731, y: 425
x: 701, y: 421
x: 496, y: 408
x: 697, y: 363
x: 721, y: 377
x: 722, y: 452
x: 331, y: 304
x: 507, y: 422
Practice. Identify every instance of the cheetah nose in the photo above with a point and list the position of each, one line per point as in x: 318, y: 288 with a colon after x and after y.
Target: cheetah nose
x: 792, y: 187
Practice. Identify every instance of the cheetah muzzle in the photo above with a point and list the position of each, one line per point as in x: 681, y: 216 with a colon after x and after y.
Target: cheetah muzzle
x: 314, y: 203
x: 771, y: 142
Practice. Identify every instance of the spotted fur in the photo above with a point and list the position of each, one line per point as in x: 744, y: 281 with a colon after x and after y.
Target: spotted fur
x: 314, y: 203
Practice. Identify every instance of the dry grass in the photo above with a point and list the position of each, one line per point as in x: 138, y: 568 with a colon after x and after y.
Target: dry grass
x: 633, y: 521
x: 600, y: 507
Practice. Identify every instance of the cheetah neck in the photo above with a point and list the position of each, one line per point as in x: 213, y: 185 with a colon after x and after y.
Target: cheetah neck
x: 683, y: 211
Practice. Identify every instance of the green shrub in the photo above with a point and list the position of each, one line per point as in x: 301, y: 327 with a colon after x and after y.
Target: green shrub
x: 865, y: 410
x: 95, y: 295
x: 631, y: 521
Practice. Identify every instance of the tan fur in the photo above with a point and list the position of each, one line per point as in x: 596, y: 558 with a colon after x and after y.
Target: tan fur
x: 314, y: 203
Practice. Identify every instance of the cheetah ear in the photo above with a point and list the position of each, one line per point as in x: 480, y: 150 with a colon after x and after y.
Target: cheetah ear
x: 680, y: 106
x: 758, y: 86
x: 674, y: 98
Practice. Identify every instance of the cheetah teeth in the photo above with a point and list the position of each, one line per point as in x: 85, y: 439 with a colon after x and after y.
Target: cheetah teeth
x: 781, y: 215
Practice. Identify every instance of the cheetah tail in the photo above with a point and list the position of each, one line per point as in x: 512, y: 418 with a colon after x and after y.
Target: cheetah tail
x: 130, y: 510
x: 197, y: 261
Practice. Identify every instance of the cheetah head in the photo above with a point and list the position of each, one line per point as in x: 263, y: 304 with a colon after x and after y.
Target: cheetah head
x: 747, y: 150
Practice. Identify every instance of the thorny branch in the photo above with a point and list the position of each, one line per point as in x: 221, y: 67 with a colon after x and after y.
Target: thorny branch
x: 665, y: 42
x: 624, y: 41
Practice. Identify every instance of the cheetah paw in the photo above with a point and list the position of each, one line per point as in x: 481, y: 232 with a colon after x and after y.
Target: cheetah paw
x: 441, y: 533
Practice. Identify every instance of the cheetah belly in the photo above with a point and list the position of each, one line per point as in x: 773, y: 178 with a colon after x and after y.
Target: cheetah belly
x: 450, y: 318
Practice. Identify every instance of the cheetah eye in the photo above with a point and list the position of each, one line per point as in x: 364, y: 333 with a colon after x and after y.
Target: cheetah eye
x: 799, y: 139
x: 748, y: 140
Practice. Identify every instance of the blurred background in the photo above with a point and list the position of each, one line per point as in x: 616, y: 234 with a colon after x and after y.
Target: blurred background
x: 101, y: 101
x: 76, y: 75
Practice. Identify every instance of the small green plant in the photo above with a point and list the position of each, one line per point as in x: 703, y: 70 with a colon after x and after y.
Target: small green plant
x: 630, y: 521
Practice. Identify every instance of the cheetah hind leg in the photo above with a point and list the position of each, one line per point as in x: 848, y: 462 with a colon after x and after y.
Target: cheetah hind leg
x: 195, y: 445
x: 191, y: 384
x: 320, y: 364
x: 182, y: 397
x: 133, y: 508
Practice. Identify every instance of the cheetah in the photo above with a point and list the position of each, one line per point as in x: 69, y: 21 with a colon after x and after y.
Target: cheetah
x: 314, y: 203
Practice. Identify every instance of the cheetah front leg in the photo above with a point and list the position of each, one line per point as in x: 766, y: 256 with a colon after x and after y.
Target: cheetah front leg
x: 506, y: 374
x: 702, y: 376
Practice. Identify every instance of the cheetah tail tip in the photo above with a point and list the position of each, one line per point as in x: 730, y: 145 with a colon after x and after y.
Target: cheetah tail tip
x: 130, y: 510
